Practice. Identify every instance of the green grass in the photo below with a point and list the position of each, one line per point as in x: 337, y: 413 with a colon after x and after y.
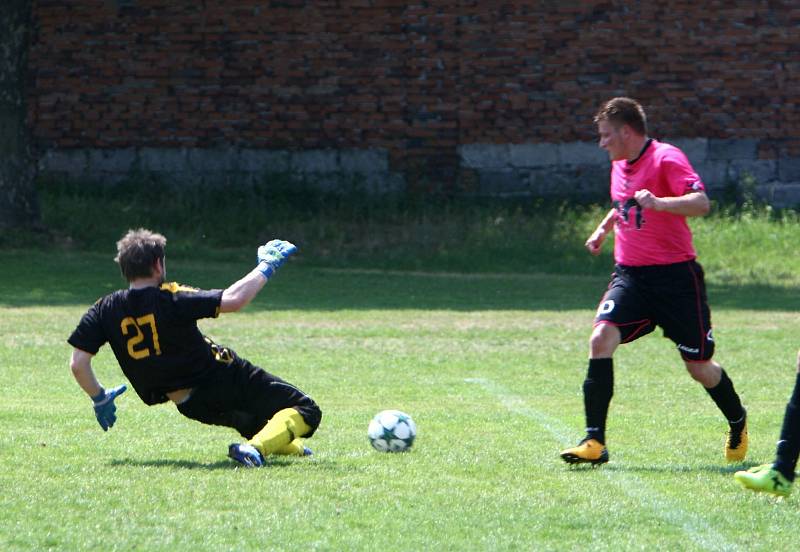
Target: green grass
x: 471, y: 316
x: 745, y: 246
x: 489, y: 364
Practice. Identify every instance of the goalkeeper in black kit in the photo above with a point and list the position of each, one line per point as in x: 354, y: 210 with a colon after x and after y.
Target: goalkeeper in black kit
x: 152, y: 330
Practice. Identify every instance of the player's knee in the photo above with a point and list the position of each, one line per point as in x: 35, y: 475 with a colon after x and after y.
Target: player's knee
x: 603, y: 341
x: 706, y: 372
x: 311, y: 413
x: 696, y: 370
x: 314, y: 417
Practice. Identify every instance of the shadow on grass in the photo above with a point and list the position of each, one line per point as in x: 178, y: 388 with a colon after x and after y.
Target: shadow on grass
x: 35, y: 278
x: 193, y: 465
x: 173, y: 464
x: 728, y: 469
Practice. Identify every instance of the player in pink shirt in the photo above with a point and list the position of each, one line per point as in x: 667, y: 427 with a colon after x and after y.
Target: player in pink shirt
x: 664, y: 238
x: 656, y: 280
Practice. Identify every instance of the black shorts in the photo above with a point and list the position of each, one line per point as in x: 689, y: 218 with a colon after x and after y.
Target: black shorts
x: 670, y: 296
x: 245, y: 397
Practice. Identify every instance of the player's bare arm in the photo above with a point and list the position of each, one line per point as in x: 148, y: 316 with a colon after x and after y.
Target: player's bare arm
x: 240, y: 293
x: 595, y: 242
x: 81, y: 365
x: 693, y: 204
x: 102, y: 399
x: 270, y: 257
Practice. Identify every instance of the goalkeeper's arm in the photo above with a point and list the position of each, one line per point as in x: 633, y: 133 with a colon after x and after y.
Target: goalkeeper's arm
x: 81, y: 365
x: 102, y: 399
x: 240, y: 293
x: 269, y: 257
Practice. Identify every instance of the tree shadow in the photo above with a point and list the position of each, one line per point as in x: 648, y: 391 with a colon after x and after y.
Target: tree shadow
x: 36, y: 278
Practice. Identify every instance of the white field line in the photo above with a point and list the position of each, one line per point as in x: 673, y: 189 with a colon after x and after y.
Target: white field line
x: 693, y: 525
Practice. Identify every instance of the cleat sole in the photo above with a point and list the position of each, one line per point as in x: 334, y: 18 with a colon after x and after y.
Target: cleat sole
x: 570, y: 458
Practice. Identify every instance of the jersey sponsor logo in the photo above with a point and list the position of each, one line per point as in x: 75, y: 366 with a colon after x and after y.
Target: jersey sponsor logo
x: 606, y: 307
x: 687, y: 349
x: 624, y: 211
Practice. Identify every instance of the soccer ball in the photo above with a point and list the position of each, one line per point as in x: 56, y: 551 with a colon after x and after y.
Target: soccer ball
x: 392, y: 431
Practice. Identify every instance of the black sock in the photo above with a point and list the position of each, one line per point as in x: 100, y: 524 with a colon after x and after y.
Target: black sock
x: 727, y: 400
x: 598, y: 387
x: 789, y: 443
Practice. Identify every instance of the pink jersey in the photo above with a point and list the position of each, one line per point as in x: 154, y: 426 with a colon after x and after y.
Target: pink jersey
x: 652, y: 237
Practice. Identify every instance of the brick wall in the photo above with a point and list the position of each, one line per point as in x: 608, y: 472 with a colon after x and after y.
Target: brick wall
x: 419, y: 82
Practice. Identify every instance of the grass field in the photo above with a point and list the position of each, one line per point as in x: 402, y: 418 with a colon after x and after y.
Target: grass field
x: 490, y: 366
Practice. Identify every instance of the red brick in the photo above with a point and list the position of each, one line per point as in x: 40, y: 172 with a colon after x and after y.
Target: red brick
x: 299, y: 73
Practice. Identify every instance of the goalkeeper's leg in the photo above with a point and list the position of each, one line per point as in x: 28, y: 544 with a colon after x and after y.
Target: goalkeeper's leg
x: 272, y: 414
x: 281, y: 432
x: 295, y: 448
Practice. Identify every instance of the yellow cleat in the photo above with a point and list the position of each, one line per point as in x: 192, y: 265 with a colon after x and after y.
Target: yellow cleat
x: 764, y: 479
x: 589, y: 451
x: 736, y: 444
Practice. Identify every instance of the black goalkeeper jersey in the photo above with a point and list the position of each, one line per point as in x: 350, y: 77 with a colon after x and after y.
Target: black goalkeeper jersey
x: 153, y: 333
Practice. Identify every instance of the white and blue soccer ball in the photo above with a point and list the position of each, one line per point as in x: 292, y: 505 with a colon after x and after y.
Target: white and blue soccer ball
x: 392, y: 431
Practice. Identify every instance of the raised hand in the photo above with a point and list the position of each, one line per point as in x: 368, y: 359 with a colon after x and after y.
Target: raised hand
x: 273, y: 254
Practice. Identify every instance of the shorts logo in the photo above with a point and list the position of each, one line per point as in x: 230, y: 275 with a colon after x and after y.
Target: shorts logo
x: 606, y: 307
x: 710, y: 335
x: 686, y: 349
